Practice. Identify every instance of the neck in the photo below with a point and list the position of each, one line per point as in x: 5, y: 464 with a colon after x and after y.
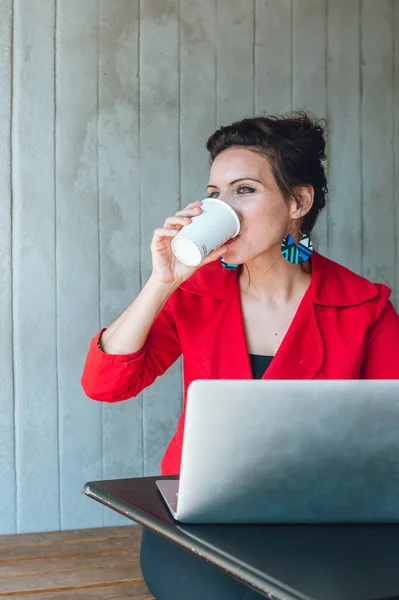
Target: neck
x: 270, y: 277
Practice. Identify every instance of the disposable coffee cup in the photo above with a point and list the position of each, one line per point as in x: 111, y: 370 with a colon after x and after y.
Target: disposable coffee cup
x: 217, y: 224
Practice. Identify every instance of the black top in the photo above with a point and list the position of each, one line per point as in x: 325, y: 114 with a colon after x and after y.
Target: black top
x: 259, y: 364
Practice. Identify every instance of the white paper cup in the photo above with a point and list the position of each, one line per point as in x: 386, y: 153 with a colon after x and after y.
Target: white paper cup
x: 217, y: 223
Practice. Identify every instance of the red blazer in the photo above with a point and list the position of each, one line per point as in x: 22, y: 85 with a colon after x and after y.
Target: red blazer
x: 344, y: 328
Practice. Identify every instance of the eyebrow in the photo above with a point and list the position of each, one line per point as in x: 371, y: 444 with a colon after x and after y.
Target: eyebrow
x: 237, y: 180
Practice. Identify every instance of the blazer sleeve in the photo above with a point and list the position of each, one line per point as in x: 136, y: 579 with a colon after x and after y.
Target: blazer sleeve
x: 381, y: 356
x: 111, y: 377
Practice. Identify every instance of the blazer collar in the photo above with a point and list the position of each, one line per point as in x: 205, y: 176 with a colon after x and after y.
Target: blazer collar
x: 211, y: 281
x: 335, y: 285
x: 332, y: 284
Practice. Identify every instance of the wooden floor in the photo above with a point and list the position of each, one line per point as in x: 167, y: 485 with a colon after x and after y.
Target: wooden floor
x: 88, y: 564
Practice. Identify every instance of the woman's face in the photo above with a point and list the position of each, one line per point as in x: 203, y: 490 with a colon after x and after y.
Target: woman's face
x: 243, y: 179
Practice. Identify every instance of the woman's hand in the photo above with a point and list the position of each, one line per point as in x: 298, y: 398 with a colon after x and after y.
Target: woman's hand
x: 166, y: 268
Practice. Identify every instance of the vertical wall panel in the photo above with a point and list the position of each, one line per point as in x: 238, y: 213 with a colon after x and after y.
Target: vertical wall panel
x: 34, y: 267
x: 159, y: 189
x: 234, y: 64
x: 273, y: 56
x: 343, y: 88
x: 309, y: 74
x: 7, y: 458
x: 77, y: 253
x: 377, y: 114
x: 118, y: 162
x: 198, y: 95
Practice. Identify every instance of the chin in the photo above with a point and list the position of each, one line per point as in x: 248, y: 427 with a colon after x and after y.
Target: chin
x: 235, y: 253
x: 229, y: 253
x: 234, y: 258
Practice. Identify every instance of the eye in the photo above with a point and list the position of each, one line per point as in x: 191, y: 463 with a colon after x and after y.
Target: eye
x: 246, y: 189
x: 214, y: 194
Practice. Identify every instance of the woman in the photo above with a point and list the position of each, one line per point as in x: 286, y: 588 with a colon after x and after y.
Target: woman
x: 266, y: 310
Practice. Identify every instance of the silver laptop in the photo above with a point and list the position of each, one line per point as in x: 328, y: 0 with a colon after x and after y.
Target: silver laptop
x: 304, y: 451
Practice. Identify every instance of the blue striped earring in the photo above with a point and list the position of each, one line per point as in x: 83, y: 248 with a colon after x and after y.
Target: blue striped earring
x: 228, y: 266
x: 297, y: 254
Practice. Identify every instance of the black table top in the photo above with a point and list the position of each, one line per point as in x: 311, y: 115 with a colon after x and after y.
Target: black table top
x: 288, y: 562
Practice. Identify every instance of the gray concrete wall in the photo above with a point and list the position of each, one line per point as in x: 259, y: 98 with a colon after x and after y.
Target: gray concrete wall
x: 105, y: 107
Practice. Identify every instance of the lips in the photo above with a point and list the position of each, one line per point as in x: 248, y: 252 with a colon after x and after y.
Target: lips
x: 232, y: 240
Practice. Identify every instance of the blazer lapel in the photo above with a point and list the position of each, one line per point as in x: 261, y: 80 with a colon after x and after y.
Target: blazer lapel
x: 220, y: 349
x: 301, y: 353
x: 234, y: 340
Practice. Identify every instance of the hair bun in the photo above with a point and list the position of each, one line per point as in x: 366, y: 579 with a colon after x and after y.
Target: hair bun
x: 306, y: 132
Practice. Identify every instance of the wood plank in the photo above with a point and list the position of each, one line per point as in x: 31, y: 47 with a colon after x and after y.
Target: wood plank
x: 309, y: 76
x: 273, y: 61
x: 102, y: 563
x: 57, y: 581
x: 234, y: 66
x: 123, y: 591
x: 343, y: 97
x: 119, y: 232
x: 159, y: 191
x: 377, y: 118
x: 8, y: 520
x: 198, y: 95
x: 66, y: 563
x: 75, y: 535
x: 67, y: 549
x: 35, y: 360
x: 309, y: 56
x: 77, y: 256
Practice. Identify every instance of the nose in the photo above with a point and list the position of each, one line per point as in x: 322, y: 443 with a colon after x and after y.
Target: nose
x: 227, y: 198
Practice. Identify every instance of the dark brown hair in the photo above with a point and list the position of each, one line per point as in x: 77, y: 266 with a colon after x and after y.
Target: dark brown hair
x: 295, y: 147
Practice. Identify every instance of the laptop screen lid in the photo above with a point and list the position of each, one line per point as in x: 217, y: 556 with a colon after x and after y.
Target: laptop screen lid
x: 284, y: 451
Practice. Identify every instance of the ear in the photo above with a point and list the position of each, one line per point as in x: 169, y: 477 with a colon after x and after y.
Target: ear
x: 302, y: 201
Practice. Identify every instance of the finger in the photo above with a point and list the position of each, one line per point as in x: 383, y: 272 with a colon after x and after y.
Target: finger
x: 176, y: 221
x: 189, y: 212
x: 214, y: 255
x: 196, y: 203
x: 164, y: 232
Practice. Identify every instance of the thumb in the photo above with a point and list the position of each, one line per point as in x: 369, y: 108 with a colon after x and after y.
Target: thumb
x: 215, y: 255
